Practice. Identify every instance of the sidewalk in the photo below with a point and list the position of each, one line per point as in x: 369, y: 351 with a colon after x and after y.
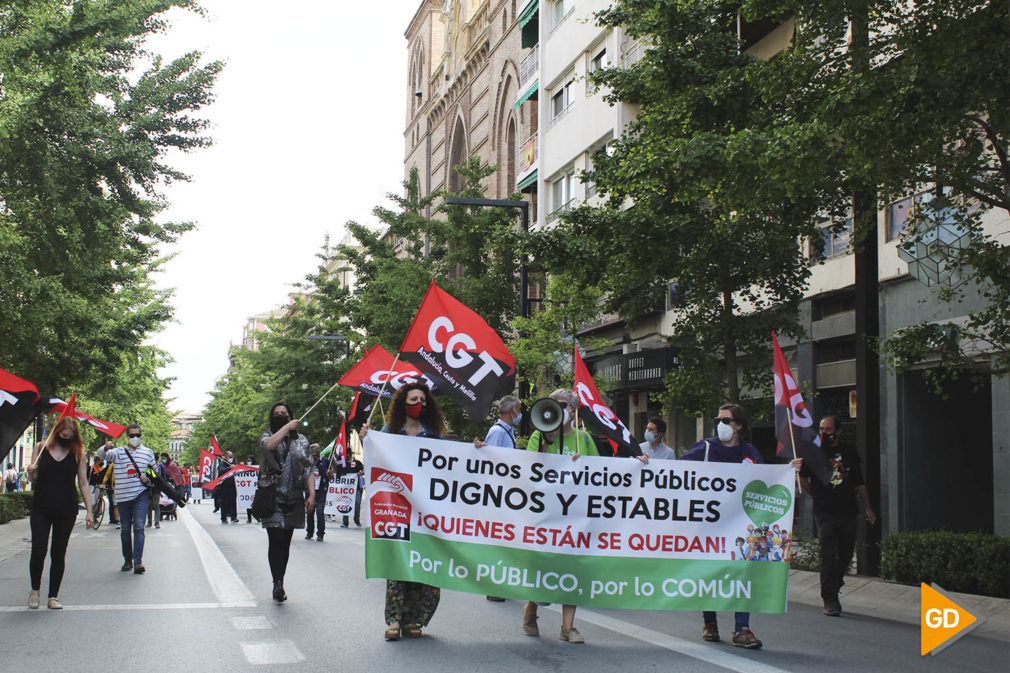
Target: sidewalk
x: 878, y: 598
x: 866, y: 596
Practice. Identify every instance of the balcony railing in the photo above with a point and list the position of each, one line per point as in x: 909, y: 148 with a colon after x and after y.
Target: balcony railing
x: 633, y: 52
x: 529, y: 67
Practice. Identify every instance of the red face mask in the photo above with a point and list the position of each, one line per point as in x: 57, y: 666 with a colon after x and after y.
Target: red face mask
x: 414, y: 410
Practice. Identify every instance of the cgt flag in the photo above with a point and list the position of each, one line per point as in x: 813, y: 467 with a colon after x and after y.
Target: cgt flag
x: 598, y: 416
x: 206, y: 466
x: 378, y: 367
x: 791, y: 409
x: 458, y: 350
x: 18, y: 406
x: 215, y: 448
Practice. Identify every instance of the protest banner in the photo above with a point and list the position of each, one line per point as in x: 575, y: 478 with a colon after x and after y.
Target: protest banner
x: 603, y: 532
x: 340, y: 499
x: 245, y: 487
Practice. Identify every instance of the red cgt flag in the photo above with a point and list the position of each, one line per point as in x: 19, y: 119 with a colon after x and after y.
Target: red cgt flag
x: 459, y: 351
x: 215, y: 449
x: 206, y: 466
x: 377, y: 368
x: 70, y: 409
x: 598, y: 416
x: 794, y: 425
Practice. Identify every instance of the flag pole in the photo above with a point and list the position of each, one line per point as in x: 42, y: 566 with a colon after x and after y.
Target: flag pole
x: 383, y: 389
x: 318, y: 401
x: 792, y: 437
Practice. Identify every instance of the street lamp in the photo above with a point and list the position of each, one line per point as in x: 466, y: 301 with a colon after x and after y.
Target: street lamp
x: 524, y: 301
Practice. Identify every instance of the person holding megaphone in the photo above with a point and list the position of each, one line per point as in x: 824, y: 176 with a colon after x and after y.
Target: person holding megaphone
x: 566, y: 440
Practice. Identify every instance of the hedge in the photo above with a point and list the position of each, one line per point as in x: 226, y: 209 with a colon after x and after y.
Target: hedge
x: 971, y: 563
x: 15, y: 505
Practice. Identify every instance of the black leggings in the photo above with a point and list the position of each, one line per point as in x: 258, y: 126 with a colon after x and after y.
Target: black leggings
x: 62, y: 526
x: 278, y: 551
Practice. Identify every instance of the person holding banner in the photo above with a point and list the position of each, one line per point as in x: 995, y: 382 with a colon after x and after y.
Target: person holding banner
x: 286, y: 466
x: 54, y: 506
x: 728, y: 446
x: 411, y: 605
x: 572, y: 442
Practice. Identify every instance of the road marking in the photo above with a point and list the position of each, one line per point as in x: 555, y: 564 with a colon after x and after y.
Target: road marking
x: 256, y: 622
x: 227, y: 585
x: 280, y: 652
x: 707, y: 653
x: 140, y: 606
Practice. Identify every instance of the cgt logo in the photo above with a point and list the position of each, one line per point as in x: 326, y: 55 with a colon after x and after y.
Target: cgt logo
x: 390, y: 507
x: 602, y: 412
x: 457, y: 347
x: 399, y: 379
x: 942, y: 620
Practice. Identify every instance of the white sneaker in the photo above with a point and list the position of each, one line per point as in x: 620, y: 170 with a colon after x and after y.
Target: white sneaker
x: 54, y: 604
x: 33, y: 600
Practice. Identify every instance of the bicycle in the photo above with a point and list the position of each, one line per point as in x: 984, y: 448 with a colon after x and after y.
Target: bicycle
x: 98, y: 508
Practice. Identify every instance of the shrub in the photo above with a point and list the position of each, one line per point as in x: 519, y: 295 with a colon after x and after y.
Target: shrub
x: 806, y: 553
x: 972, y: 563
x: 15, y: 506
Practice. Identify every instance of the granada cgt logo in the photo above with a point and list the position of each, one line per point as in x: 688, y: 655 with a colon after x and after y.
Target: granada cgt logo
x: 390, y: 506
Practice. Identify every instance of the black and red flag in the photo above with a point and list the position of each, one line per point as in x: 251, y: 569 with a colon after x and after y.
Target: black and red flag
x: 360, y: 409
x: 460, y: 352
x: 55, y: 405
x: 597, y: 415
x: 794, y: 424
x: 18, y: 406
x: 377, y: 368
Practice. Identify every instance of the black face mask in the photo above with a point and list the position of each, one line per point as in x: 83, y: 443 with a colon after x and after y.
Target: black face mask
x: 827, y: 440
x: 63, y: 441
x: 277, y: 422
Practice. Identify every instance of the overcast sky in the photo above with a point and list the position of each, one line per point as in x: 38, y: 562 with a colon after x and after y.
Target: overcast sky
x: 308, y: 134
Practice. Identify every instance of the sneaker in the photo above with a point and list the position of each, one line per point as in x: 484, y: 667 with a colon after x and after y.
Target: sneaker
x: 33, y: 600
x: 157, y: 525
x: 746, y: 638
x: 530, y: 627
x: 572, y: 635
x: 139, y: 569
x: 319, y: 538
x: 308, y: 536
x: 357, y: 524
x: 54, y: 603
x: 234, y: 520
x: 710, y: 633
x: 343, y: 525
x: 127, y: 565
x: 832, y: 608
x: 392, y: 631
x: 279, y: 594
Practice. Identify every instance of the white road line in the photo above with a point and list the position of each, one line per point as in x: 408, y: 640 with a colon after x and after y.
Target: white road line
x: 253, y: 623
x: 139, y: 606
x: 708, y: 653
x: 227, y: 585
x: 280, y: 652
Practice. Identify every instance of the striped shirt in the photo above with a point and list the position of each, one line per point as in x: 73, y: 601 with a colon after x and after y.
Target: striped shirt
x: 128, y: 484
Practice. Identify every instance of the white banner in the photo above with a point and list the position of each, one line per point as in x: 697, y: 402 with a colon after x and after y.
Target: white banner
x: 245, y: 485
x: 340, y: 498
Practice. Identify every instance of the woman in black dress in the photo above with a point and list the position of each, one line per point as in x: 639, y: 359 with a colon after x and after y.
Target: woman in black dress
x: 52, y: 471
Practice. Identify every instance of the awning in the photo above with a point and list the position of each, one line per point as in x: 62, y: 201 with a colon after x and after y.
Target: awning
x: 529, y: 25
x: 528, y: 13
x: 528, y: 180
x: 526, y: 96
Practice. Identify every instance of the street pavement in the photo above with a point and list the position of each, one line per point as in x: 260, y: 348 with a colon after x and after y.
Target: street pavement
x: 205, y: 604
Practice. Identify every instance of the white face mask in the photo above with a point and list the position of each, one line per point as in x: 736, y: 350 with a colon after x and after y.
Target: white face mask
x: 134, y: 442
x: 566, y: 418
x: 725, y: 432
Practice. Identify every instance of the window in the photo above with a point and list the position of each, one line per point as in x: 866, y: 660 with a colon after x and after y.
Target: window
x: 558, y: 12
x: 837, y: 243
x: 599, y: 61
x: 900, y: 212
x: 561, y: 101
x: 561, y: 193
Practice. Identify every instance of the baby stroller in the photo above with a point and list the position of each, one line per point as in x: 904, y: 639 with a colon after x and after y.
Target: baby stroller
x: 168, y: 507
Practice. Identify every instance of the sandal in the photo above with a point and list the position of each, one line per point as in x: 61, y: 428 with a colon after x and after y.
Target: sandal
x: 412, y: 631
x: 393, y: 631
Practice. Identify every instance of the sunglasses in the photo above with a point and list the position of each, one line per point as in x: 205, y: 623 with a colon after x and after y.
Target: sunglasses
x: 133, y: 435
x: 724, y: 421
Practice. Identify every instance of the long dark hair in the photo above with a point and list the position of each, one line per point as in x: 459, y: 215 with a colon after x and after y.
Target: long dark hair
x: 270, y: 413
x: 431, y: 416
x: 77, y: 444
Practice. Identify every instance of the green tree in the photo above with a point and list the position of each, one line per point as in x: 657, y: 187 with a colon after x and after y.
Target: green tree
x: 688, y: 217
x: 86, y: 129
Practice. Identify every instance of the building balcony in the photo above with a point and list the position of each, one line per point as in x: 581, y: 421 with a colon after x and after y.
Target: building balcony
x: 528, y: 154
x: 529, y: 67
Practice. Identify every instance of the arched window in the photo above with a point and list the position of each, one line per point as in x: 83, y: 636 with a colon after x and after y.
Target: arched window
x: 457, y: 157
x: 511, y: 149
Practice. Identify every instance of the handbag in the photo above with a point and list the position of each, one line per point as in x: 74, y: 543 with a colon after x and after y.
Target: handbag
x: 264, y: 501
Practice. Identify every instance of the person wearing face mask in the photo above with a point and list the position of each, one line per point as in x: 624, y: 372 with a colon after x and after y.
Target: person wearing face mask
x: 836, y: 511
x: 132, y: 494
x: 567, y: 441
x: 285, y: 464
x: 653, y: 446
x: 54, y: 466
x: 226, y: 490
x: 502, y: 433
x: 411, y: 605
x: 729, y: 446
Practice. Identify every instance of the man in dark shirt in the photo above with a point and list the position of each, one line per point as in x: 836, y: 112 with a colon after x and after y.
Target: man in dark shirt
x: 835, y: 511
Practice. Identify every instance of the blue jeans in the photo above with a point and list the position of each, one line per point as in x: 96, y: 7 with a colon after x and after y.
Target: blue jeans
x: 133, y: 512
x: 742, y: 619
